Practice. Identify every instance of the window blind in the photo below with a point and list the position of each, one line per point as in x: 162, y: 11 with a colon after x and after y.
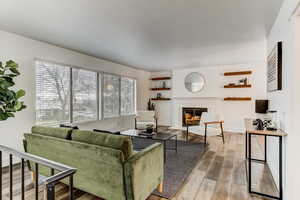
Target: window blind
x: 127, y: 96
x: 111, y: 95
x: 84, y: 95
x: 52, y: 93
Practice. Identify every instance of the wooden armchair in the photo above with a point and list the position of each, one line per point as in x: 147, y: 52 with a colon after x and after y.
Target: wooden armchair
x: 209, y: 124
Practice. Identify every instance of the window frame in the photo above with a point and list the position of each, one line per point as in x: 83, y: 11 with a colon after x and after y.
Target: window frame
x: 99, y: 92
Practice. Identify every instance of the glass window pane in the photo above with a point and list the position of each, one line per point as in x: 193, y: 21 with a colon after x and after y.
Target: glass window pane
x: 127, y: 96
x: 52, y: 93
x: 111, y: 95
x: 84, y: 95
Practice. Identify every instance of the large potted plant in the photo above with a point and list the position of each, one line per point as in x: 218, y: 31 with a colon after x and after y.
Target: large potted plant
x: 9, y: 97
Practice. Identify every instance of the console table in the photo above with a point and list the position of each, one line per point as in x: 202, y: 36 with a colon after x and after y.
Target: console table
x: 251, y: 130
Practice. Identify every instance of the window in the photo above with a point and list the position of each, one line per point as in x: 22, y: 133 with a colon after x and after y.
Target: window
x: 111, y: 96
x: 127, y: 96
x: 84, y: 92
x: 52, y: 93
x: 67, y: 94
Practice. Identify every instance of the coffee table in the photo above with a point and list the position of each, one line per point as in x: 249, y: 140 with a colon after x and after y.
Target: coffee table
x: 159, y: 136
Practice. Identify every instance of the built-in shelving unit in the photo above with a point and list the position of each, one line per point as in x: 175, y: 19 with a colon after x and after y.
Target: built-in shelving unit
x: 155, y: 89
x: 237, y: 99
x: 238, y: 86
x: 237, y: 73
x: 160, y: 78
x: 161, y: 99
x: 244, y: 84
x: 161, y: 87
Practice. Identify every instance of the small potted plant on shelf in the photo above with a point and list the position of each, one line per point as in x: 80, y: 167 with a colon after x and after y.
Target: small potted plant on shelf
x: 149, y: 128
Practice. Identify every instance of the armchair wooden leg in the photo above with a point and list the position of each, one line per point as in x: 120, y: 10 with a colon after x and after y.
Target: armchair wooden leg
x: 160, y: 187
x: 222, y: 132
x: 187, y: 133
x: 205, y: 134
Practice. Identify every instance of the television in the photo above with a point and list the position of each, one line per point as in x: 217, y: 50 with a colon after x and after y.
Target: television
x: 261, y: 106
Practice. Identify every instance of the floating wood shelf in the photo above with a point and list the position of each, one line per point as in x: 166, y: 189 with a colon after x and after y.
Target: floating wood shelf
x: 160, y: 88
x: 237, y: 86
x: 160, y: 78
x: 161, y: 99
x: 237, y: 99
x: 237, y: 73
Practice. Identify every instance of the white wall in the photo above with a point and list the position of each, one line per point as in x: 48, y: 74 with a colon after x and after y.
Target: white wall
x: 232, y: 112
x: 286, y: 101
x: 24, y: 51
x: 251, y: 55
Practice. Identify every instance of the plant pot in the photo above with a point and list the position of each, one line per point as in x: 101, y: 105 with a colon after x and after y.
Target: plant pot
x: 149, y: 130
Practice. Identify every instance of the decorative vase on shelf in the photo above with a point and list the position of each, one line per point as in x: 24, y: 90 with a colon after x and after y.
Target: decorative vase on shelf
x: 159, y: 95
x: 164, y: 85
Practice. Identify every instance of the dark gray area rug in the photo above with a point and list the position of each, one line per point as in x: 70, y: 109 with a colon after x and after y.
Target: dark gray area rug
x: 178, y: 165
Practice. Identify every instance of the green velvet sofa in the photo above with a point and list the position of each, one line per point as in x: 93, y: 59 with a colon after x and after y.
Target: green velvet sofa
x: 106, y: 164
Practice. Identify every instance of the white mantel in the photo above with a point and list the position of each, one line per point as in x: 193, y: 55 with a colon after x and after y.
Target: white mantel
x: 212, y: 105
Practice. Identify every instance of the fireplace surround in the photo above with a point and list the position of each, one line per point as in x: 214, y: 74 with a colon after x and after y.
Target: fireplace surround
x: 193, y: 114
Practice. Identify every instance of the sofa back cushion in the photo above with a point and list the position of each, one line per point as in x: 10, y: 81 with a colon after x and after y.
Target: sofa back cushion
x: 63, y: 133
x: 119, y: 142
x: 99, y: 169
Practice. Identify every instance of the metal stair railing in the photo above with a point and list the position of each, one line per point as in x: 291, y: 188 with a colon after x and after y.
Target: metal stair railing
x: 50, y: 182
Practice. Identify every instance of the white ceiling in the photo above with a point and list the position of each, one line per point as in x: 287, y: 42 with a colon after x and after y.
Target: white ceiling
x: 147, y: 34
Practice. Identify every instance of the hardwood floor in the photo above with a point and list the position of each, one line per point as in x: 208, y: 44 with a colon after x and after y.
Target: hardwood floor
x: 219, y: 175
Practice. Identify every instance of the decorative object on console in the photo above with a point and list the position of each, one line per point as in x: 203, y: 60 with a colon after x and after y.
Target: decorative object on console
x: 194, y: 82
x: 164, y: 85
x: 274, y: 70
x: 274, y: 123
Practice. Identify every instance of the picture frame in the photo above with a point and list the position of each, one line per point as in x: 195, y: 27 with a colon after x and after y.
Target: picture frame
x: 274, y: 69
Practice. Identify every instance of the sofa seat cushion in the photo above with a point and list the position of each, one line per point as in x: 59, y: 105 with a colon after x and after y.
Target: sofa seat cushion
x: 63, y: 133
x: 119, y: 142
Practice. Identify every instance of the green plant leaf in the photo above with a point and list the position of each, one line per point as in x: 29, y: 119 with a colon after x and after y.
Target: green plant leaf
x: 14, y: 70
x: 11, y: 64
x: 9, y: 103
x: 20, y: 93
x: 10, y: 114
x: 18, y: 105
x: 3, y: 116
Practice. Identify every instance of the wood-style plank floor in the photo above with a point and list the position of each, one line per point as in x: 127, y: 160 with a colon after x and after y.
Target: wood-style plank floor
x: 219, y: 175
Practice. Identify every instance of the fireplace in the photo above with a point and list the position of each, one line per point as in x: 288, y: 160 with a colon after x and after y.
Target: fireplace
x: 192, y: 115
